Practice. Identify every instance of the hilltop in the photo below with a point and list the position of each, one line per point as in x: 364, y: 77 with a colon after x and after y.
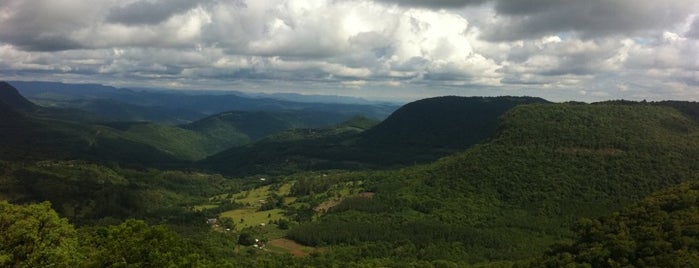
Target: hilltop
x: 453, y: 123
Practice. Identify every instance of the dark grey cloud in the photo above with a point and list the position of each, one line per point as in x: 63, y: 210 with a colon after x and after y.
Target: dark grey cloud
x: 38, y: 26
x: 436, y: 3
x: 525, y: 19
x: 41, y: 42
x: 149, y: 12
x: 573, y: 48
x: 591, y: 18
x: 694, y: 29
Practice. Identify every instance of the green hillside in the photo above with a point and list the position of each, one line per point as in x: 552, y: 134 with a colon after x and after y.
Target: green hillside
x: 292, y: 151
x: 26, y: 134
x: 108, y: 110
x: 87, y: 193
x: 181, y: 143
x: 512, y: 197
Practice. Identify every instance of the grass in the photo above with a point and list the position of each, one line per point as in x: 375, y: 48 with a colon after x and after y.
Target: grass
x: 204, y: 207
x: 251, y: 217
x: 254, y: 196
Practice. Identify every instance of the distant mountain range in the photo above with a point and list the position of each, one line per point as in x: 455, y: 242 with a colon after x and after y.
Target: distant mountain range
x: 100, y: 133
x: 180, y: 107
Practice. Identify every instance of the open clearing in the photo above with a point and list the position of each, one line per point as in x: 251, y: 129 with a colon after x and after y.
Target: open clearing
x: 286, y: 245
x: 251, y: 217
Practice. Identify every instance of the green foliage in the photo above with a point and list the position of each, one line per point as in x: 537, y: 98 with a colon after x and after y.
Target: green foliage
x: 246, y: 239
x: 272, y: 202
x: 312, y: 185
x: 86, y: 192
x: 35, y: 236
x: 136, y: 244
x: 283, y: 224
x: 660, y: 231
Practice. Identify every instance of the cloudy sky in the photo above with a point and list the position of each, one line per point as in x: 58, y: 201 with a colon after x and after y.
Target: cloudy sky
x: 387, y: 49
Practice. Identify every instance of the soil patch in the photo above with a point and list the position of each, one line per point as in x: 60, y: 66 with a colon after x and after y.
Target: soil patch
x: 293, y: 247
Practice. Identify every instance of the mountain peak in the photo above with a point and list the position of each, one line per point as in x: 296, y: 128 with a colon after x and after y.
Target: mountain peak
x: 11, y: 97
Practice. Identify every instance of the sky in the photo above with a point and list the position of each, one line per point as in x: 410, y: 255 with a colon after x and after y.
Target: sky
x: 585, y: 50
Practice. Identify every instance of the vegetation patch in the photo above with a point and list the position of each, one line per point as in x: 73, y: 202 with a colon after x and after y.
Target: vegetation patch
x: 289, y: 246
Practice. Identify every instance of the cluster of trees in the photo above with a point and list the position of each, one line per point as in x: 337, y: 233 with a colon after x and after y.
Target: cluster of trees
x: 86, y: 193
x: 35, y: 236
x: 661, y: 231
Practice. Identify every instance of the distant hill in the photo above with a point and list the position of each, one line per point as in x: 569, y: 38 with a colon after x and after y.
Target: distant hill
x: 418, y: 132
x: 107, y: 110
x: 259, y: 124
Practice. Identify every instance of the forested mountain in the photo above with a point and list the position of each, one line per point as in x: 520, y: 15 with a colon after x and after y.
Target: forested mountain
x: 443, y: 182
x: 513, y: 196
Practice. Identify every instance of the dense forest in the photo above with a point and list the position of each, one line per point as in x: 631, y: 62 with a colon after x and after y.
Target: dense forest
x: 441, y: 182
